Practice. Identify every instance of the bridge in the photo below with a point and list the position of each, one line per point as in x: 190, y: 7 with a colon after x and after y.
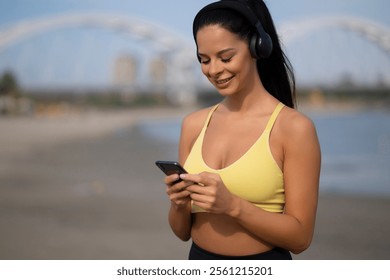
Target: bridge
x: 375, y: 32
x: 178, y: 49
x: 182, y: 73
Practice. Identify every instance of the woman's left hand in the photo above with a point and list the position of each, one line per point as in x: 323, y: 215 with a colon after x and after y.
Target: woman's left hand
x: 209, y: 192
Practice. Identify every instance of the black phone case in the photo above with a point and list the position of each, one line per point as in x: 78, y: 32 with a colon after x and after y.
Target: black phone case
x: 170, y: 167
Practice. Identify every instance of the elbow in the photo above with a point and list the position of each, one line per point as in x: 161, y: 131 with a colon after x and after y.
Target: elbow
x: 182, y: 234
x: 298, y: 250
x: 184, y: 238
x: 300, y: 246
x: 300, y: 240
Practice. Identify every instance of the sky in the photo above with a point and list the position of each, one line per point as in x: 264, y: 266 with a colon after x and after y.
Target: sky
x: 78, y: 56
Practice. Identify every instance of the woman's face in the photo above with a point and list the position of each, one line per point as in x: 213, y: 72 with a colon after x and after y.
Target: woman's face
x: 225, y: 60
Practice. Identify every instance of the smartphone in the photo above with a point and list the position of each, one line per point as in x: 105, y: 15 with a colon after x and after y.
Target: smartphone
x: 171, y: 167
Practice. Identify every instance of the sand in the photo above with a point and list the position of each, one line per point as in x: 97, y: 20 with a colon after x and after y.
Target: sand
x: 84, y: 186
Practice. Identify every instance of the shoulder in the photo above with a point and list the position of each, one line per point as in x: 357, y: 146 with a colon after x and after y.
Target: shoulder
x: 194, y: 121
x: 300, y: 143
x: 191, y: 127
x: 296, y: 125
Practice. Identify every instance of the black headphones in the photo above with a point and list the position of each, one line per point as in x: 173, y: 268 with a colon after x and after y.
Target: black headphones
x: 260, y: 44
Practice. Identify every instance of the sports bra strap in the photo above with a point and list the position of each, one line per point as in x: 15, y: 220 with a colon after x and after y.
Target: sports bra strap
x: 206, y: 124
x: 273, y: 117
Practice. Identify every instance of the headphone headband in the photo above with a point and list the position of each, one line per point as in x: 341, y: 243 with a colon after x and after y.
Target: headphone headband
x: 262, y: 48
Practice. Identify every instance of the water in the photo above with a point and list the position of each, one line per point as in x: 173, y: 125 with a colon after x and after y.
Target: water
x: 356, y: 152
x: 355, y: 149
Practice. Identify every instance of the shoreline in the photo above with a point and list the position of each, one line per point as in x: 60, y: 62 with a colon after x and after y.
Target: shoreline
x: 23, y: 133
x: 39, y: 129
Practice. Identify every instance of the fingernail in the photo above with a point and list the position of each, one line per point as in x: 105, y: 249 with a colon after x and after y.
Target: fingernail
x: 182, y: 176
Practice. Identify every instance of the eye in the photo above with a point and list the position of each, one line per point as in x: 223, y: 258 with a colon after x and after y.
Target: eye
x: 226, y: 60
x: 203, y: 59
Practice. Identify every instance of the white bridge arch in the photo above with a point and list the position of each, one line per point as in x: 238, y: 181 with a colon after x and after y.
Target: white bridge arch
x: 180, y: 49
x: 163, y: 38
x: 375, y: 32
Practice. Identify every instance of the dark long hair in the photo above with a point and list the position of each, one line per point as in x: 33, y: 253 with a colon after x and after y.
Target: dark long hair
x: 276, y: 72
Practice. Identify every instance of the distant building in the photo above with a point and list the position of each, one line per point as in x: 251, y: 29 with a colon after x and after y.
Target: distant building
x: 158, y: 71
x: 125, y: 71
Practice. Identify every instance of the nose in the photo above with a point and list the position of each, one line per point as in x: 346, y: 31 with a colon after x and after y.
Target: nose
x: 215, y: 68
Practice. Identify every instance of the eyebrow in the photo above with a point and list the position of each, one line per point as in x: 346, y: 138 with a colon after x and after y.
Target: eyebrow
x: 220, y: 52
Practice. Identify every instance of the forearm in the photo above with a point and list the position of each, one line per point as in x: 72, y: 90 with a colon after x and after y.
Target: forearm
x: 280, y: 230
x: 180, y: 220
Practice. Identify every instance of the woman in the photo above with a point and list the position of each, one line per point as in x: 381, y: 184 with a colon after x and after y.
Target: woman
x: 253, y: 161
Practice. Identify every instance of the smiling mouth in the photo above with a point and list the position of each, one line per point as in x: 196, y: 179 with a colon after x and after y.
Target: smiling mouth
x: 224, y: 81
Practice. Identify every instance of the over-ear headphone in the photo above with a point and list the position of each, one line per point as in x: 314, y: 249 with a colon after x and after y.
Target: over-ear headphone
x: 260, y: 44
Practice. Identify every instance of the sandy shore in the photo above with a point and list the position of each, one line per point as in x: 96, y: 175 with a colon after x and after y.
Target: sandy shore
x: 84, y: 186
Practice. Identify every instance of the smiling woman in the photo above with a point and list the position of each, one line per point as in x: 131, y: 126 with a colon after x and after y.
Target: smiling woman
x: 253, y: 161
x: 224, y: 60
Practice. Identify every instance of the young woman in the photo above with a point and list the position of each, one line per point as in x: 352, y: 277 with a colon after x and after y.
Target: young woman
x: 253, y: 160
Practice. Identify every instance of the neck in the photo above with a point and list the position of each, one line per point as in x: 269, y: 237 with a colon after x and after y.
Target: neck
x: 247, y: 99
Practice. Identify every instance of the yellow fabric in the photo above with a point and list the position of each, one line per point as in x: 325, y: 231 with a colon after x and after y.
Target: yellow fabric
x: 255, y: 176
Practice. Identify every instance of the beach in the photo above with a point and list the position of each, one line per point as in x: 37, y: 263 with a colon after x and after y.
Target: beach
x: 84, y: 185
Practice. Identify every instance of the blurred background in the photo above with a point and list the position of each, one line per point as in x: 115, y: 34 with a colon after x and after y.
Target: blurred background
x: 93, y: 92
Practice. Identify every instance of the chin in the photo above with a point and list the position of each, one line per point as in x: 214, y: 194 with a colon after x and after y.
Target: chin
x: 224, y: 93
x: 228, y: 91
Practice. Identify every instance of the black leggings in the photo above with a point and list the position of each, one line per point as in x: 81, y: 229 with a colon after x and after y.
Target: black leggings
x: 197, y: 253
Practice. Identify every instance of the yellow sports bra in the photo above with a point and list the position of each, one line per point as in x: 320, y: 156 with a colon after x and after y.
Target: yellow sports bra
x: 255, y: 176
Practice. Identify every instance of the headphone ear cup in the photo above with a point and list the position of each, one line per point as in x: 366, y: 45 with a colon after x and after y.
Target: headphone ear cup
x: 260, y: 47
x: 253, y: 46
x: 265, y: 46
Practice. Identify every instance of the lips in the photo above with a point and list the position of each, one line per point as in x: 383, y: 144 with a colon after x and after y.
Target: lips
x: 223, y: 81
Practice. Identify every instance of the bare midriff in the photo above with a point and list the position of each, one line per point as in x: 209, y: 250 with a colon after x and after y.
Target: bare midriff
x: 223, y: 235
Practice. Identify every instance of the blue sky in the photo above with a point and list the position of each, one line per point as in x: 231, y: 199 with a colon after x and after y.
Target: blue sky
x: 178, y: 14
x: 43, y: 54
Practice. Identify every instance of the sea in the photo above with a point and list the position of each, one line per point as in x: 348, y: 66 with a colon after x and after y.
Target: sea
x: 355, y: 148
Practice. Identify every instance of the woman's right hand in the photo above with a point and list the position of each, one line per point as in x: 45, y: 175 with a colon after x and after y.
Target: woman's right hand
x: 176, y: 190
